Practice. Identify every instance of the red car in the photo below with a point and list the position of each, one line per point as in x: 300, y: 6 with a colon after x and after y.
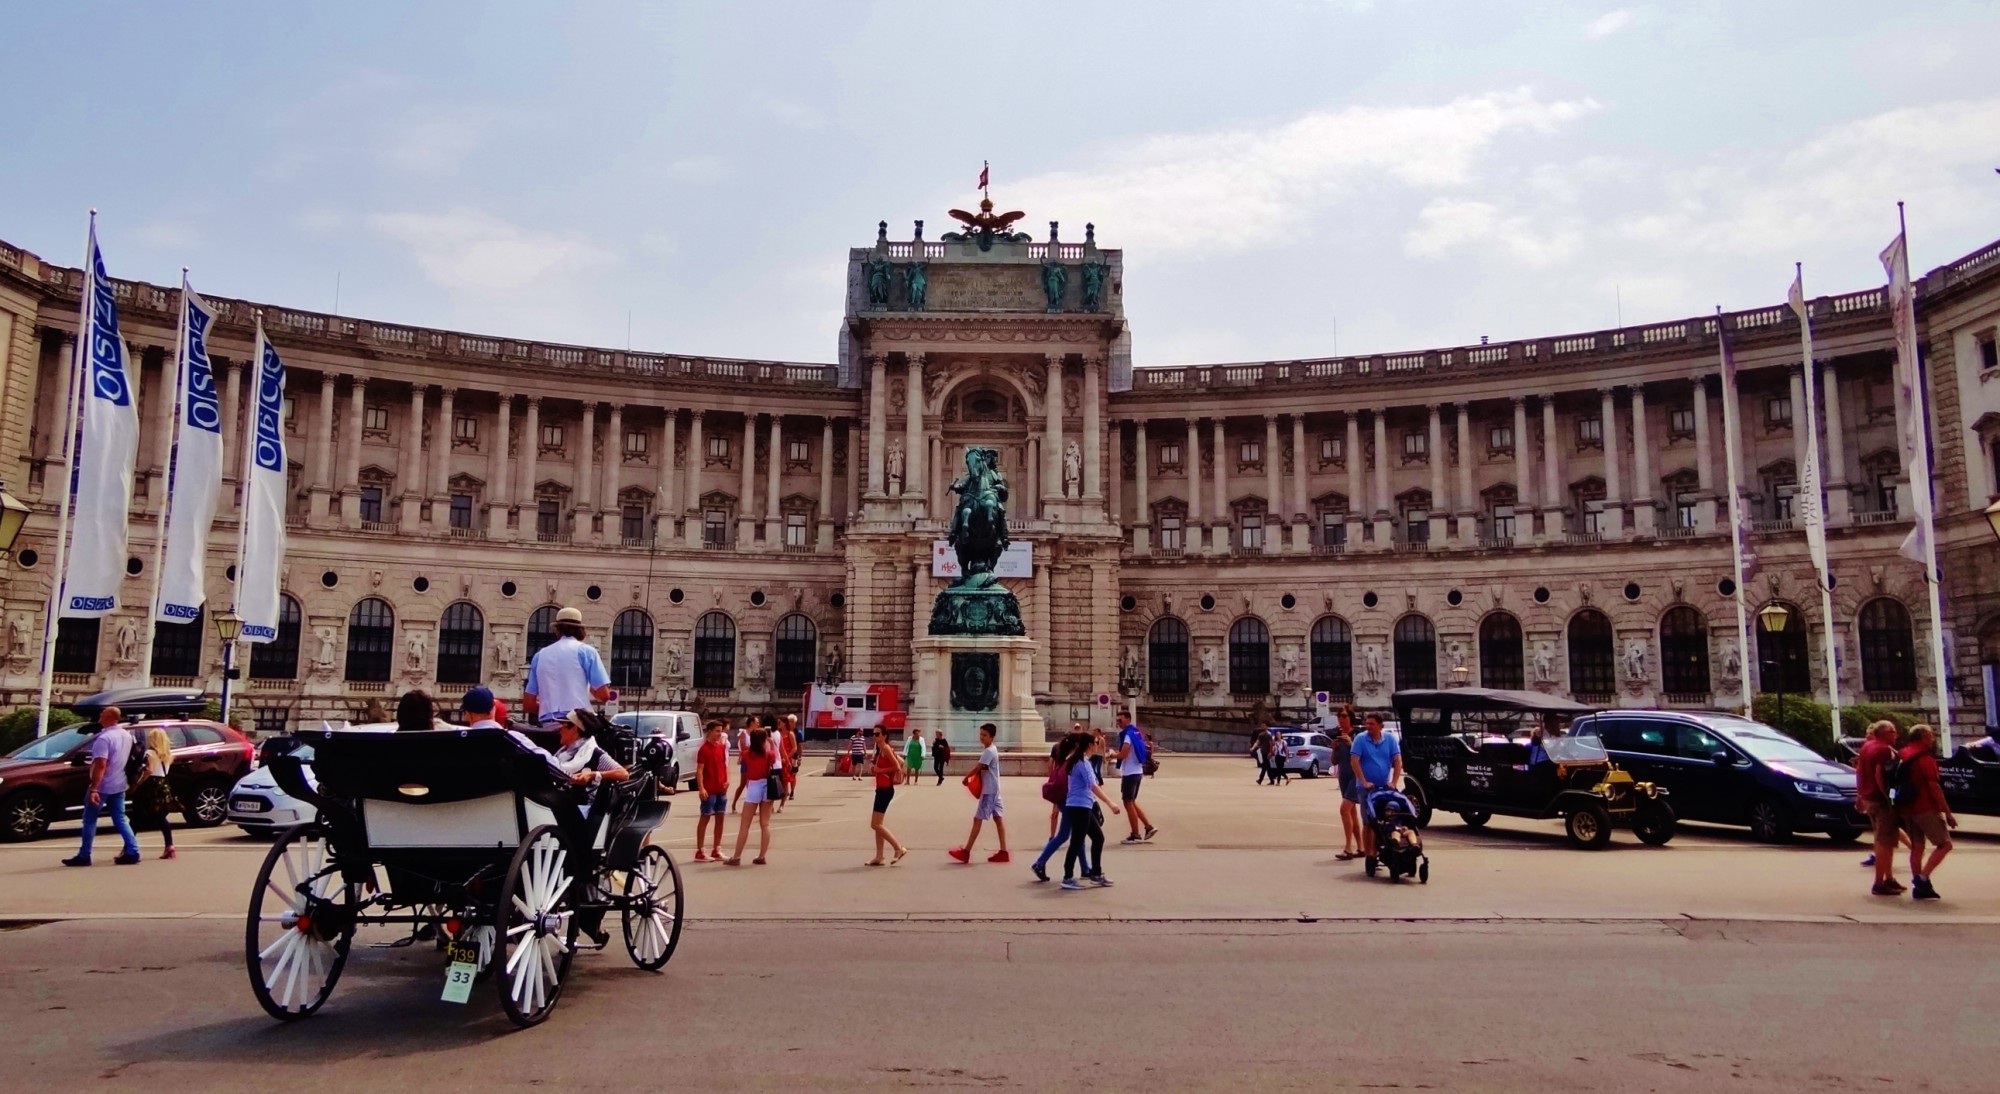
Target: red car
x: 44, y: 781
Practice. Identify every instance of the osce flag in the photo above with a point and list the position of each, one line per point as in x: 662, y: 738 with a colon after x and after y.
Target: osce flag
x: 263, y: 552
x: 96, y: 566
x: 197, y: 470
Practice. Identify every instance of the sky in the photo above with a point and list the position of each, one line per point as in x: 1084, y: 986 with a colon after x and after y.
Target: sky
x: 1287, y: 178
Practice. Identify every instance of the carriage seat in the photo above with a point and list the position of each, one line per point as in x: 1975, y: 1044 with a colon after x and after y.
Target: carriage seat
x: 439, y: 788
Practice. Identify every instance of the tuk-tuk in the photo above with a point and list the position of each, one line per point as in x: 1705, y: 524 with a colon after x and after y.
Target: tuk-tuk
x: 1479, y: 752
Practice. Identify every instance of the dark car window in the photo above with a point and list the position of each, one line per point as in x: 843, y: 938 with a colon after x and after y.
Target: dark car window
x: 1321, y: 741
x: 1634, y: 735
x: 1697, y: 743
x: 204, y: 735
x: 177, y: 737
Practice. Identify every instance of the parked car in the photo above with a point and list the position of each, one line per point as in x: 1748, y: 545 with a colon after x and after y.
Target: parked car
x: 1725, y: 769
x: 45, y: 780
x: 679, y: 730
x: 1305, y: 749
x: 258, y: 805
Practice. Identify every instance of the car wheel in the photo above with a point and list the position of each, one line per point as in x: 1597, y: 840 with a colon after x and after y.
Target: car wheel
x: 1653, y: 822
x: 1475, y: 818
x: 26, y: 815
x: 207, y: 805
x: 1419, y: 801
x: 1768, y: 822
x: 1589, y: 826
x: 1312, y: 770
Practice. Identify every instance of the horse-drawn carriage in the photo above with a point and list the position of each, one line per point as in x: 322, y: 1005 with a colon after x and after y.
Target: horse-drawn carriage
x: 471, y: 842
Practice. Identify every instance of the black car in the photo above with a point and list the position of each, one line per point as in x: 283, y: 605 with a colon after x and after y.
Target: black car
x: 1725, y: 769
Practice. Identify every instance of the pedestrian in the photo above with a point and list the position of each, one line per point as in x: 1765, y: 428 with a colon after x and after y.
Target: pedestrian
x: 1134, y: 753
x: 415, y: 711
x: 1871, y: 796
x: 889, y: 770
x: 565, y: 674
x: 913, y: 752
x: 1275, y: 755
x: 1086, y: 826
x: 1096, y: 757
x: 1066, y: 752
x: 760, y: 762
x: 940, y: 755
x: 1378, y: 765
x: 1260, y: 752
x: 1926, y: 816
x: 988, y: 809
x: 156, y: 798
x: 857, y: 753
x: 794, y: 756
x: 781, y: 735
x: 1343, y: 766
x: 711, y: 780
x: 110, y: 752
x: 755, y: 724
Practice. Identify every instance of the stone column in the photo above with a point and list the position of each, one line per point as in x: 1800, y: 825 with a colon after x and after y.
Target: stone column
x: 1704, y: 461
x: 322, y: 454
x: 1613, y: 522
x: 773, y: 480
x: 413, y: 462
x: 914, y: 446
x: 584, y: 482
x: 1222, y: 519
x: 1114, y: 483
x: 614, y: 475
x: 1839, y: 497
x: 823, y: 536
x: 1355, y: 504
x: 1301, y: 516
x: 1191, y: 530
x: 1039, y: 626
x: 1384, y: 520
x: 1142, y: 502
x: 691, y: 500
x: 500, y: 494
x: 1093, y: 433
x: 441, y: 440
x: 1645, y: 512
x: 878, y: 424
x: 1440, y: 504
x: 1274, y: 505
x: 666, y: 499
x: 1552, y: 473
x: 1468, y: 502
x: 525, y: 499
x: 350, y: 476
x: 1524, y: 473
x: 1052, y: 442
x: 232, y: 430
x: 746, y: 484
x: 854, y: 469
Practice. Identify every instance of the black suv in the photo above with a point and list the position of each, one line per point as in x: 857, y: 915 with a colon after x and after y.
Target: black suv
x: 1725, y: 769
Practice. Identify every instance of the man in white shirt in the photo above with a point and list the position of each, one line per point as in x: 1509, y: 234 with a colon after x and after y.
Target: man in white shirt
x: 566, y: 674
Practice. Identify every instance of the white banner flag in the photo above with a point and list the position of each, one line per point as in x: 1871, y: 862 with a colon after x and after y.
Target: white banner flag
x: 1806, y: 506
x: 1917, y: 546
x: 196, y: 488
x: 261, y: 558
x: 96, y: 565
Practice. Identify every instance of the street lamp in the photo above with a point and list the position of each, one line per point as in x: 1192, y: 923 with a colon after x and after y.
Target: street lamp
x: 228, y: 626
x: 1460, y: 674
x: 13, y: 515
x: 1993, y: 518
x: 1774, y: 618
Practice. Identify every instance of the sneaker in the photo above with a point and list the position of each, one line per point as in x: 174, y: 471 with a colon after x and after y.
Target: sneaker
x: 1150, y: 833
x: 960, y: 854
x: 999, y: 856
x: 699, y: 857
x: 1040, y: 873
x: 1894, y: 885
x: 1869, y: 861
x: 1101, y: 881
x: 1132, y: 839
x: 77, y: 861
x: 170, y: 853
x: 1071, y: 883
x: 1921, y: 890
x: 126, y: 860
x: 1884, y: 888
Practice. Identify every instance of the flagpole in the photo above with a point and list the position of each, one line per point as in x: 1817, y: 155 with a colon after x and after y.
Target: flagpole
x: 1919, y: 408
x: 166, y: 485
x: 1735, y: 507
x: 71, y: 419
x: 248, y: 431
x: 1816, y: 529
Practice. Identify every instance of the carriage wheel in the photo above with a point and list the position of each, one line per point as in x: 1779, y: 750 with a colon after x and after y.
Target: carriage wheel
x: 536, y: 924
x: 651, y: 909
x: 300, y: 926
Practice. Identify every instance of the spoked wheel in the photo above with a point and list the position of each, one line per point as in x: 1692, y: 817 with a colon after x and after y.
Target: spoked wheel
x: 536, y: 925
x: 300, y: 927
x: 1589, y: 826
x: 652, y: 909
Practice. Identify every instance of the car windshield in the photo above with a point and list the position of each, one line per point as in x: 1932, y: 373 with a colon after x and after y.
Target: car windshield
x: 1771, y: 746
x: 648, y: 723
x: 53, y: 746
x: 1574, y: 748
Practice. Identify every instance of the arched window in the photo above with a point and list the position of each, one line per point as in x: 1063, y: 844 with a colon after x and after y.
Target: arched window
x: 1249, y: 657
x: 371, y: 631
x: 76, y: 645
x: 632, y: 649
x: 1782, y: 657
x: 795, y: 652
x: 1888, y: 660
x: 278, y: 659
x: 1592, y: 664
x: 1500, y: 664
x: 177, y: 647
x: 1167, y: 657
x: 715, y: 652
x: 1332, y: 649
x: 541, y: 629
x: 1683, y: 652
x: 1416, y: 653
x: 461, y: 641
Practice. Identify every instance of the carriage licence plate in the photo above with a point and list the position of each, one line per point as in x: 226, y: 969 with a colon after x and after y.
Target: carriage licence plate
x: 458, y: 977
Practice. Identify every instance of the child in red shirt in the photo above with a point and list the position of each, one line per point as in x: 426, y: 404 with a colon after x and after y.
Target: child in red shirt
x: 712, y: 785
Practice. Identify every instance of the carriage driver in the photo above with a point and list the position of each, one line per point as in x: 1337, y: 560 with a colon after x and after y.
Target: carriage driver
x: 565, y: 674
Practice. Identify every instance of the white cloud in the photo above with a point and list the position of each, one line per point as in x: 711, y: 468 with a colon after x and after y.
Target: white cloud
x: 469, y: 251
x: 1250, y: 188
x: 168, y: 235
x: 1608, y: 24
x: 697, y: 169
x: 428, y: 143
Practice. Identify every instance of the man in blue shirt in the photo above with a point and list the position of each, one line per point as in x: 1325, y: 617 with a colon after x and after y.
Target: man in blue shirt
x: 109, y: 751
x: 1378, y: 765
x: 566, y: 674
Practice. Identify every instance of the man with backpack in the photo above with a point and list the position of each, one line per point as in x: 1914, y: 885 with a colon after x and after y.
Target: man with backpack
x: 1135, y: 757
x: 114, y: 762
x: 1920, y: 802
x: 1872, y: 766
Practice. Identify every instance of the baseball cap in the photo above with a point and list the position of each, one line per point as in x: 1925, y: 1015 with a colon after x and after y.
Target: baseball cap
x: 477, y: 701
x: 570, y: 615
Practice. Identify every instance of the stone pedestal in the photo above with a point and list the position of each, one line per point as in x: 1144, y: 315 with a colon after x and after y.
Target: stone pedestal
x: 957, y: 674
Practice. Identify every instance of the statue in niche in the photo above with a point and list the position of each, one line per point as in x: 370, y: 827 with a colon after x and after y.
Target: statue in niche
x: 1072, y: 470
x: 1094, y: 275
x: 414, y: 652
x: 918, y: 284
x: 17, y: 638
x: 1209, y: 671
x: 1545, y: 663
x: 323, y: 661
x: 671, y: 659
x: 1635, y: 660
x: 1288, y: 662
x: 934, y: 382
x: 1371, y: 663
x: 1055, y: 282
x: 894, y: 461
x: 503, y: 654
x: 1732, y: 660
x: 128, y: 644
x: 878, y: 282
x: 753, y: 664
x: 1131, y: 671
x: 835, y: 665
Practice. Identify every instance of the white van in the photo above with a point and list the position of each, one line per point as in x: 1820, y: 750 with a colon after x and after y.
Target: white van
x: 680, y: 729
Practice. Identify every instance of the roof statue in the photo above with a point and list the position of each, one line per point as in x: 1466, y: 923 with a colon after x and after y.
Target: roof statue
x: 986, y: 226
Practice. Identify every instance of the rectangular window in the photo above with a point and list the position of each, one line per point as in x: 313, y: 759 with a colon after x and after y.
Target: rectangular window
x: 1989, y: 353
x: 632, y: 521
x: 1251, y: 532
x: 1783, y: 494
x: 1885, y: 492
x: 1503, y: 522
x: 1332, y: 449
x: 718, y: 450
x: 795, y: 531
x: 715, y: 528
x: 461, y: 510
x: 1684, y: 509
x: 1590, y: 432
x: 371, y: 504
x: 1680, y: 423
x: 552, y: 438
x: 548, y: 518
x: 798, y: 453
x: 1250, y: 454
x: 1417, y: 525
x: 636, y: 441
x: 375, y: 419
x: 1333, y: 529
x: 1778, y: 411
x: 465, y: 429
x: 1500, y: 439
x: 291, y: 413
x: 1416, y: 445
x: 1170, y: 532
x: 1591, y: 520
x: 1170, y: 456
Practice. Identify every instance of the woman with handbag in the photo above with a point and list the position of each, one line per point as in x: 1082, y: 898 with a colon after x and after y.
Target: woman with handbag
x: 984, y: 783
x: 1056, y: 791
x: 763, y: 786
x: 889, y: 770
x: 1086, y: 824
x: 156, y: 796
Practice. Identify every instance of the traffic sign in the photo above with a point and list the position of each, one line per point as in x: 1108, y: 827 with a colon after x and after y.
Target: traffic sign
x: 1104, y: 698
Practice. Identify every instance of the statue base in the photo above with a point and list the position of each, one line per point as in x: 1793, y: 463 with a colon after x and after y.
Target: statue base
x: 977, y: 608
x: 964, y: 681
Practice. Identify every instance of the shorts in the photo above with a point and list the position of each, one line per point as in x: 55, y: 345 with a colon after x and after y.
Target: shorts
x: 714, y: 805
x: 1128, y: 787
x: 753, y: 792
x: 989, y: 808
x: 1929, y: 827
x: 1884, y: 823
x: 883, y: 796
x: 1350, y: 793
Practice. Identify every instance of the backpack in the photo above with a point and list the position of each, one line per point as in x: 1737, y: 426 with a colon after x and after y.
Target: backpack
x: 1900, y: 779
x: 135, y: 760
x: 1149, y: 763
x: 1055, y: 788
x: 943, y: 748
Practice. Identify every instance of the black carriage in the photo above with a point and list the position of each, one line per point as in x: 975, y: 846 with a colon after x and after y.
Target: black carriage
x: 469, y: 841
x: 1479, y: 752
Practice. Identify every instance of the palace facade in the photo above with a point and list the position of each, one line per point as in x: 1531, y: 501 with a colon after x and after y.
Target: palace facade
x: 1547, y: 513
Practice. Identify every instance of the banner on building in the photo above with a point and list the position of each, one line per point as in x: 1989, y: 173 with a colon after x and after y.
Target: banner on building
x: 95, y: 569
x: 261, y: 555
x: 196, y: 485
x: 1018, y: 560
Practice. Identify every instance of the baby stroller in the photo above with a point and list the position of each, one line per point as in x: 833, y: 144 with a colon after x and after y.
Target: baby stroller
x: 1399, y: 846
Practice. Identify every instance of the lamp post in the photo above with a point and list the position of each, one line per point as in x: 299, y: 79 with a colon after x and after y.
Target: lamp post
x: 228, y: 626
x: 1460, y: 675
x: 13, y: 515
x: 1993, y: 518
x: 1774, y: 617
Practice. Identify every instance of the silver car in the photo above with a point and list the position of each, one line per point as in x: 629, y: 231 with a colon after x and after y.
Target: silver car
x: 1306, y: 750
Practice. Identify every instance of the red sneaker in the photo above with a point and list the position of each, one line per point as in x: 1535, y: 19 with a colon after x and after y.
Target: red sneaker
x: 960, y: 853
x: 699, y: 857
x: 1000, y: 856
